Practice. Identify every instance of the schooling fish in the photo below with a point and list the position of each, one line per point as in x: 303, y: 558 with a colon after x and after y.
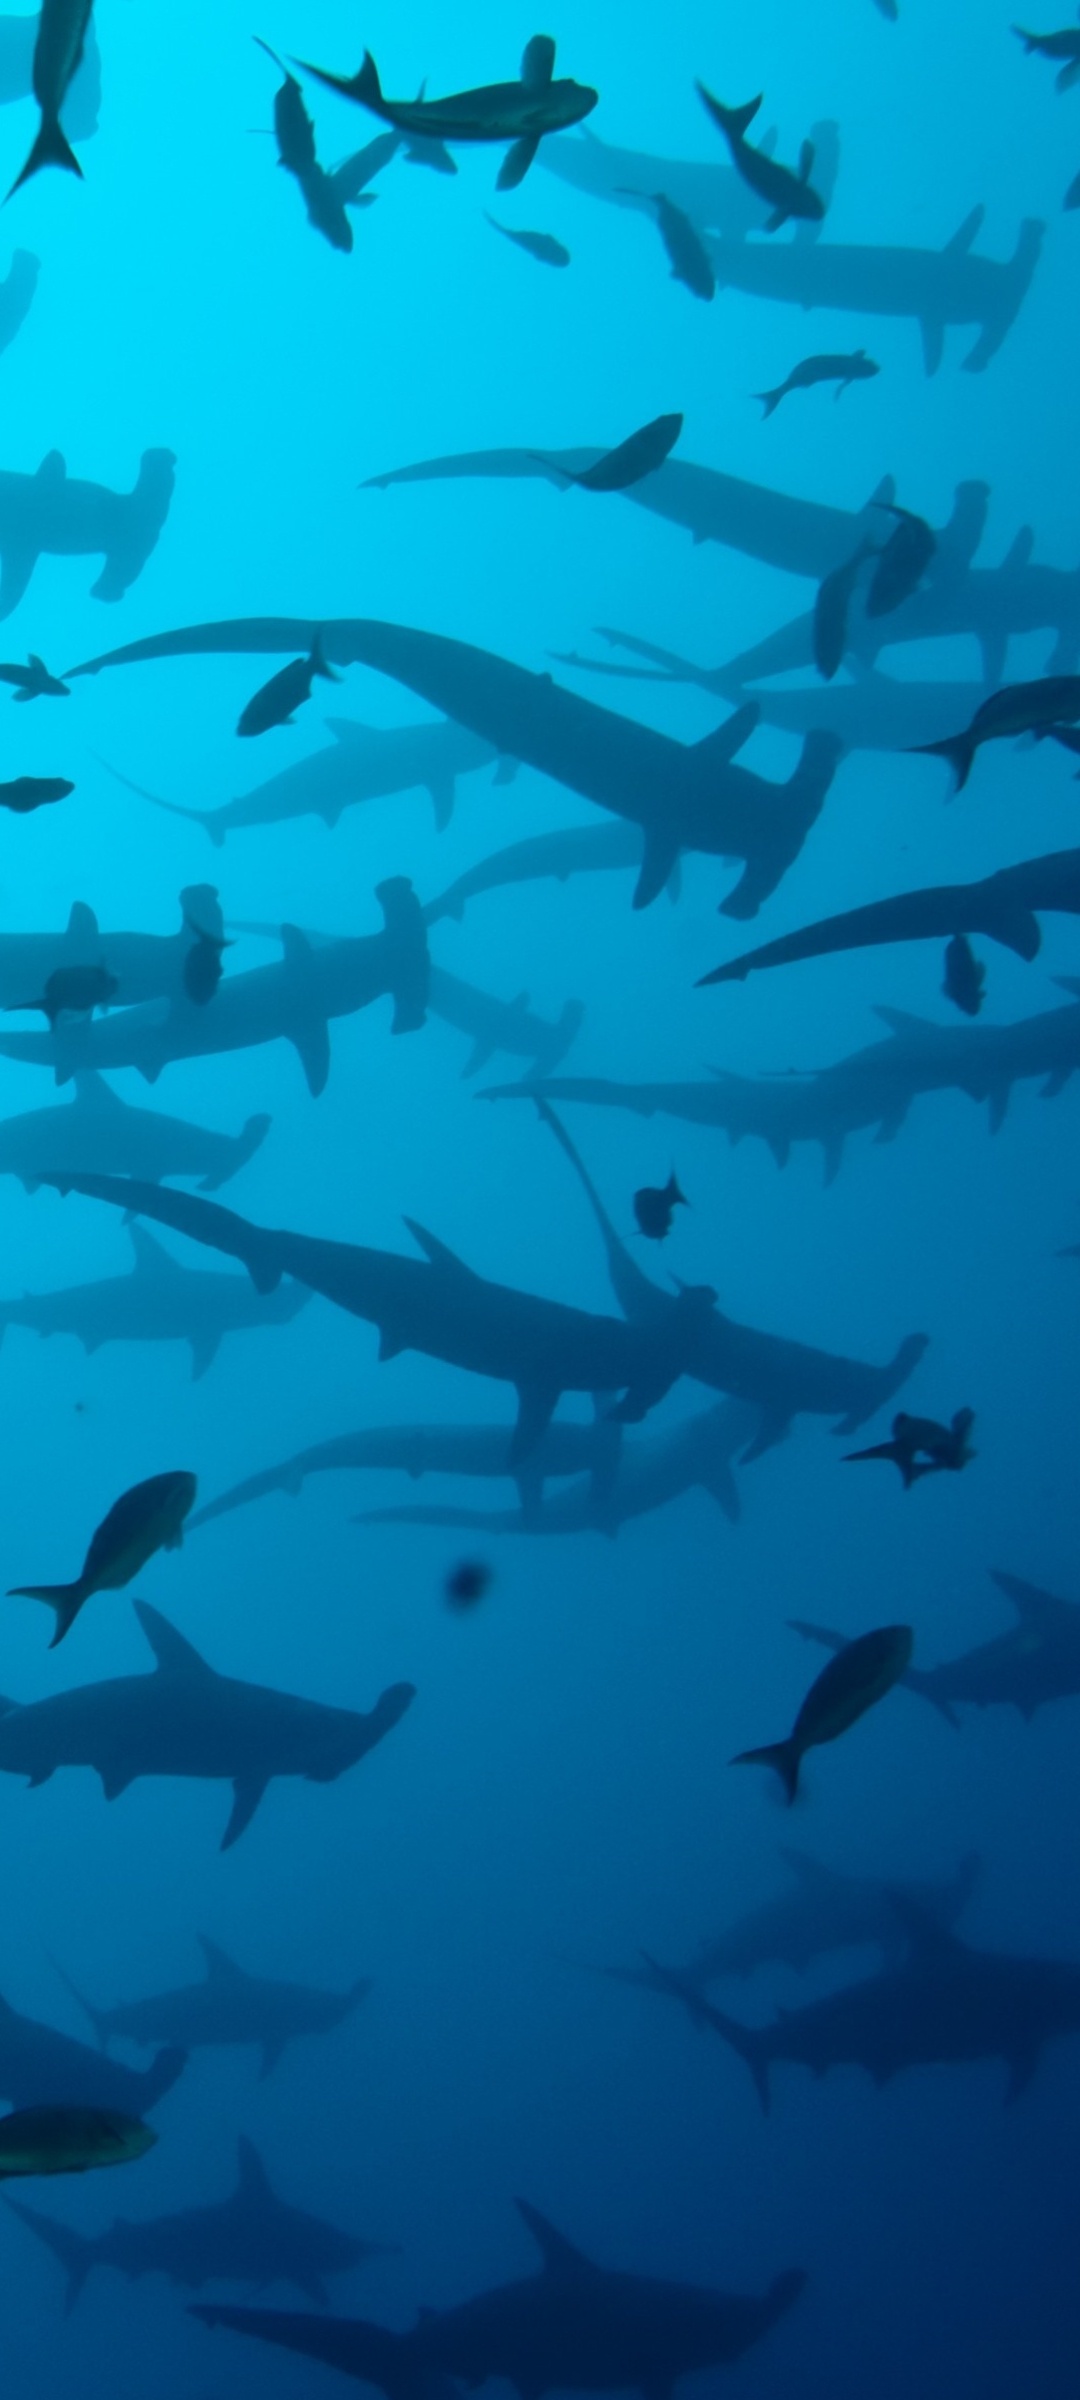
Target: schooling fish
x: 72, y: 991
x: 965, y: 976
x: 655, y: 1206
x: 275, y: 701
x: 921, y: 1446
x: 902, y: 563
x: 34, y: 680
x: 149, y: 1517
x: 842, y: 367
x: 1064, y: 46
x: 33, y: 791
x: 788, y: 195
x: 687, y: 255
x: 1038, y: 707
x: 66, y: 2141
x: 860, y: 1675
x: 519, y: 113
x: 58, y: 49
x: 542, y: 246
x: 629, y: 462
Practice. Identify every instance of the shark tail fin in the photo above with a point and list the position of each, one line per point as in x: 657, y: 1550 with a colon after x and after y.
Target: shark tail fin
x: 783, y: 1757
x: 159, y: 2078
x: 248, y: 1140
x: 958, y: 749
x: 74, y: 2252
x: 749, y: 2044
x: 65, y: 1598
x: 374, y: 2354
x: 51, y: 149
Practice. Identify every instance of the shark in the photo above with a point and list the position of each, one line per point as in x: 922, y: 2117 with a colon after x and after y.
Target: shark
x: 293, y: 1000
x: 108, y: 1136
x: 158, y: 1301
x: 574, y: 2326
x: 230, y: 2007
x: 578, y: 850
x: 39, y: 2065
x: 186, y: 1719
x: 144, y: 966
x: 879, y: 712
x: 17, y: 288
x: 712, y: 195
x: 251, y: 2237
x: 362, y: 763
x: 682, y: 796
x: 1035, y: 1662
x: 1005, y: 906
x: 53, y: 514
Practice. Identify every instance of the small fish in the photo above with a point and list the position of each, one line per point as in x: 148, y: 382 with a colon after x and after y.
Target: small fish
x: 965, y: 976
x: 921, y: 1446
x: 1064, y: 45
x: 58, y: 49
x: 859, y: 1676
x: 902, y: 563
x: 274, y: 702
x: 786, y: 194
x: 834, y: 366
x: 72, y: 991
x: 630, y: 461
x: 33, y: 791
x: 297, y: 154
x: 147, y: 1518
x: 68, y: 2141
x: 468, y: 1582
x: 34, y: 681
x: 834, y: 596
x: 687, y: 256
x: 1041, y: 707
x: 542, y: 246
x: 655, y: 1206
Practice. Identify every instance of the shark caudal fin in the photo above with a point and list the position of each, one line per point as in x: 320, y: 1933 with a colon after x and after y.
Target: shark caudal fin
x: 368, y: 2352
x: 51, y: 149
x: 749, y: 2041
x: 785, y: 1759
x: 247, y: 1141
x: 74, y: 2252
x: 65, y: 1598
x: 958, y: 749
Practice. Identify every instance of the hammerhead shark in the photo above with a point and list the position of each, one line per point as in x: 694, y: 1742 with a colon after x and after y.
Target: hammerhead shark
x: 1035, y: 1662
x: 251, y: 2237
x: 144, y: 966
x: 229, y: 2008
x: 1005, y: 906
x: 710, y: 193
x: 52, y: 513
x: 159, y: 1301
x: 39, y: 2065
x: 105, y: 1135
x: 683, y: 796
x: 579, y: 850
x: 573, y: 2327
x: 364, y: 762
x: 17, y: 288
x: 186, y: 1719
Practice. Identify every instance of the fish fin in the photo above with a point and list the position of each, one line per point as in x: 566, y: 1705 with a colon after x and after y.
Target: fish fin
x: 807, y: 155
x: 151, y: 1256
x: 93, y: 1091
x: 928, y: 1938
x: 220, y: 1968
x: 173, y: 1653
x: 247, y: 1794
x: 115, y: 1780
x: 254, y: 2181
x: 51, y: 148
x: 716, y: 749
x: 781, y: 1756
x: 311, y: 1043
x: 965, y: 234
x: 932, y: 331
x: 517, y: 162
x: 438, y: 1253
x: 65, y: 1599
x: 17, y: 565
x: 538, y: 66
x: 204, y: 1349
x: 778, y: 219
x: 1029, y: 1600
x: 659, y: 861
x: 730, y: 120
x: 561, y: 2257
x: 537, y: 1403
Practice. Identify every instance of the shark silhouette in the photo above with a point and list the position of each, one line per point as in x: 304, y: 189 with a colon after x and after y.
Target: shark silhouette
x: 145, y: 966
x: 229, y: 2008
x: 39, y: 2066
x: 1004, y: 906
x: 51, y: 513
x: 185, y: 1719
x: 102, y: 1134
x: 159, y: 1301
x: 580, y: 850
x: 711, y: 194
x: 364, y: 762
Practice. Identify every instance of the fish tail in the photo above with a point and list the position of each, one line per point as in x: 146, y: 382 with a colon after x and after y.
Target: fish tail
x: 248, y: 1140
x: 748, y: 2043
x: 65, y: 1598
x: 730, y: 120
x: 921, y: 1680
x: 958, y: 749
x: 783, y: 1757
x: 770, y: 400
x: 51, y: 149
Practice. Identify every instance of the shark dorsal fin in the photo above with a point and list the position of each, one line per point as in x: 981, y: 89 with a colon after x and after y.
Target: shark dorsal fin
x: 254, y: 2182
x: 151, y: 1256
x: 559, y: 2256
x: 294, y: 943
x: 1028, y: 1599
x: 82, y: 925
x: 901, y: 1020
x: 715, y: 749
x: 930, y: 1942
x: 172, y: 1653
x: 53, y: 468
x: 220, y: 1967
x: 92, y: 1089
x: 438, y: 1253
x: 965, y: 234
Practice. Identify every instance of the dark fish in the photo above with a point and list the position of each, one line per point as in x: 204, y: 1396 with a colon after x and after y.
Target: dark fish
x: 292, y: 125
x: 202, y: 969
x: 542, y: 246
x: 835, y: 366
x: 149, y: 1517
x: 786, y: 194
x: 32, y: 791
x: 921, y: 1446
x: 1038, y: 707
x: 467, y: 1583
x: 66, y: 2141
x: 630, y: 461
x: 831, y: 607
x: 519, y: 113
x: 72, y: 991
x: 58, y: 49
x: 33, y: 680
x: 655, y: 1206
x: 1064, y: 46
x: 902, y: 563
x: 860, y: 1675
x: 965, y: 976
x: 275, y: 701
x: 687, y: 255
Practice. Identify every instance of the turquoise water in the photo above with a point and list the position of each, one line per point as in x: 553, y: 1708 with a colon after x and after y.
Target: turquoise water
x: 559, y: 1795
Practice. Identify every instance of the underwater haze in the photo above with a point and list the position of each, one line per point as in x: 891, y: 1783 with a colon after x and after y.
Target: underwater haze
x: 522, y: 1490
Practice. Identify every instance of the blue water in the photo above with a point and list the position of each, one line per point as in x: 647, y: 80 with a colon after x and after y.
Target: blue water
x: 560, y: 1791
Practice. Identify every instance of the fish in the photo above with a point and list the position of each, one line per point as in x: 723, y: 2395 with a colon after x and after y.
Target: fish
x: 855, y: 1680
x: 830, y: 621
x: 72, y: 991
x: 1063, y: 46
x: 148, y: 1518
x: 324, y: 195
x: 519, y: 113
x: 1019, y: 708
x: 28, y: 792
x: 274, y: 702
x: 786, y: 195
x: 575, y: 2326
x: 61, y: 2140
x: 1036, y: 1662
x: 655, y: 1206
x: 711, y: 194
x: 640, y: 455
x: 541, y: 246
x: 203, y: 968
x: 965, y: 976
x: 840, y: 367
x: 902, y: 563
x: 687, y: 255
x: 231, y: 2007
x: 33, y: 680
x: 58, y: 50
x: 187, y: 1720
x: 921, y: 1446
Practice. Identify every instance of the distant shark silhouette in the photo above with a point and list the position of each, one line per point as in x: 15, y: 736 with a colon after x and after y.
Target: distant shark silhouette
x: 580, y: 850
x: 18, y: 286
x: 877, y: 713
x: 185, y: 1719
x: 365, y: 762
x: 683, y: 796
x: 1004, y: 906
x: 709, y: 192
x: 252, y: 2237
x: 107, y: 1136
x: 146, y: 966
x: 1035, y: 1662
x: 573, y: 2327
x: 230, y: 2008
x: 38, y: 2065
x: 50, y: 512
x: 159, y: 1301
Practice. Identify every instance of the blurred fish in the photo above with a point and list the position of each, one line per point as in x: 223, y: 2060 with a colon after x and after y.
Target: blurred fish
x: 58, y: 50
x: 364, y: 762
x: 1038, y: 707
x: 72, y: 991
x: 68, y: 2141
x: 787, y: 195
x: 519, y: 113
x: 856, y: 1679
x: 325, y: 196
x: 274, y: 702
x: 32, y: 791
x: 837, y: 366
x: 920, y: 1446
x: 467, y: 1583
x: 33, y: 680
x: 1064, y: 46
x: 902, y: 563
x: 147, y: 1518
x: 541, y: 246
x: 655, y: 1206
x: 630, y: 461
x: 965, y: 976
x: 203, y: 969
x: 687, y: 255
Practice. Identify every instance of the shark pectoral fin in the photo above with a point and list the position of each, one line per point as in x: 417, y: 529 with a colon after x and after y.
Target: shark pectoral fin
x: 642, y: 1396
x: 220, y: 1968
x: 778, y: 218
x: 933, y: 343
x: 115, y: 1779
x: 516, y: 164
x: 204, y: 1350
x: 311, y: 1043
x: 718, y: 748
x: 478, y: 1057
x: 537, y: 1403
x: 246, y: 1797
x: 775, y: 1427
x: 659, y: 861
x: 16, y: 567
x: 441, y: 790
x: 390, y: 1344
